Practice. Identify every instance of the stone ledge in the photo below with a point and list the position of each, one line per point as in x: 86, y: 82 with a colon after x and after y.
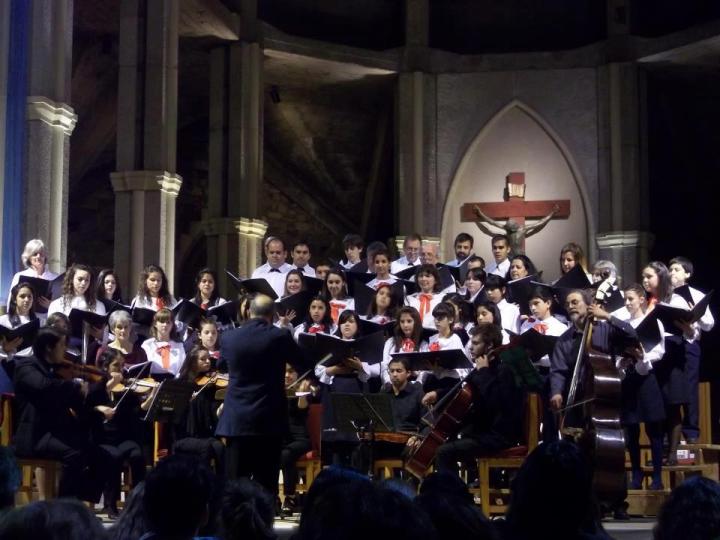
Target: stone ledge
x: 54, y: 114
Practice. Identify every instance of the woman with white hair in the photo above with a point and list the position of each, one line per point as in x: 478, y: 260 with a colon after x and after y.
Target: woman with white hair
x: 34, y: 260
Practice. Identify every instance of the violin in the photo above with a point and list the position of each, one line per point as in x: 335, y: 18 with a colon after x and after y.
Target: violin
x: 220, y: 380
x: 139, y: 386
x: 67, y: 369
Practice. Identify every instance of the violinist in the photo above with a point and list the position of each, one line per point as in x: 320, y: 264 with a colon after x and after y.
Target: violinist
x: 297, y: 439
x: 118, y: 428
x: 194, y: 431
x: 207, y: 338
x: 496, y: 418
x: 53, y: 419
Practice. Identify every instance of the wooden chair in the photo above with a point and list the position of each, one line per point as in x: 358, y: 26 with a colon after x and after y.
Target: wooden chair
x: 385, y: 468
x: 512, y: 458
x: 310, y: 464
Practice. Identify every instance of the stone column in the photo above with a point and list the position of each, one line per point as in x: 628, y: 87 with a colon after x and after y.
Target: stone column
x: 50, y: 122
x: 234, y: 232
x: 624, y: 200
x: 146, y: 184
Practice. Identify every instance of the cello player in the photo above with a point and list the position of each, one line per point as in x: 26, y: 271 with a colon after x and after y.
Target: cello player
x: 496, y: 418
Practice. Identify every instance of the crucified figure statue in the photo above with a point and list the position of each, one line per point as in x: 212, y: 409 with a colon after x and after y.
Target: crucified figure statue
x: 515, y: 233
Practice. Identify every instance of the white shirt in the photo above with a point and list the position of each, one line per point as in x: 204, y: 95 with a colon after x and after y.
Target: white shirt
x: 707, y: 321
x: 307, y: 270
x: 338, y: 306
x: 47, y: 274
x: 347, y: 265
x: 177, y: 355
x: 656, y: 353
x: 59, y: 305
x: 388, y: 349
x: 414, y: 300
x: 510, y: 315
x: 275, y: 277
x: 498, y: 269
x: 376, y: 282
x: 449, y: 343
x: 549, y: 327
x: 402, y: 263
x: 149, y: 302
x: 300, y: 329
x: 455, y: 262
x: 323, y: 377
x: 5, y: 321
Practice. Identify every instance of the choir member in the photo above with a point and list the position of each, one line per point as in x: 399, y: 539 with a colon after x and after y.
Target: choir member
x: 121, y: 328
x: 20, y: 311
x: 383, y: 306
x: 317, y: 320
x: 495, y: 290
x: 153, y: 292
x: 488, y: 312
x: 322, y: 270
x: 429, y: 253
x: 293, y: 283
x: 353, y: 245
x: 407, y: 337
x: 463, y: 246
x: 77, y: 292
x: 571, y: 255
x: 474, y: 285
x: 301, y: 259
x: 34, y: 260
x: 681, y: 271
x: 275, y: 268
x: 381, y: 267
x: 411, y: 254
x: 500, y: 246
x: 107, y: 286
x: 206, y: 292
x: 520, y: 266
x: 163, y: 348
x: 429, y: 296
x: 336, y: 291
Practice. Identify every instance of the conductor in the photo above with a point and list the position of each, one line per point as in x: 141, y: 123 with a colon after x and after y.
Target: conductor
x: 254, y: 415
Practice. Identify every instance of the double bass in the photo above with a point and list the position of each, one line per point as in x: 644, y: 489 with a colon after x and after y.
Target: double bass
x: 600, y: 434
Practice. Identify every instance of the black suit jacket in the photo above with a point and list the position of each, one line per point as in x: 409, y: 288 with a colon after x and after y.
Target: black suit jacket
x: 44, y: 402
x: 255, y: 355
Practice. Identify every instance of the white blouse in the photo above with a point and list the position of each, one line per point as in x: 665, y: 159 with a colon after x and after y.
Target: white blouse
x: 151, y: 346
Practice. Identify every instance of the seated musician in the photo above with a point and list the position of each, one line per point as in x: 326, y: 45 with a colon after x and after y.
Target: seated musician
x: 53, y: 419
x: 496, y: 418
x: 407, y: 411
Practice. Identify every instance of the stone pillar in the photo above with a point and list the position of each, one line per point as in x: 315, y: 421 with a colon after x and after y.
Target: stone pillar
x: 234, y: 232
x: 50, y: 122
x: 623, y: 208
x: 146, y: 184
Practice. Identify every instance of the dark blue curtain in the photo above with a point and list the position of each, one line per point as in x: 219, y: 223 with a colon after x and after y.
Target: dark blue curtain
x: 12, y: 229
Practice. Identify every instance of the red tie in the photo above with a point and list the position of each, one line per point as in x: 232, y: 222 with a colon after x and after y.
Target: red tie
x: 435, y: 346
x: 540, y: 328
x: 335, y: 311
x: 160, y: 303
x: 164, y: 351
x: 425, y: 300
x: 315, y: 328
x: 381, y: 284
x: 408, y: 345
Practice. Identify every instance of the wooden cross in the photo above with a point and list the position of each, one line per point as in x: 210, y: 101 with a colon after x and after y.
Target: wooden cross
x: 515, y: 206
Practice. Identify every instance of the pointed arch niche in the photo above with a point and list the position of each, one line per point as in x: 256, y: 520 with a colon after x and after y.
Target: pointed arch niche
x: 518, y: 139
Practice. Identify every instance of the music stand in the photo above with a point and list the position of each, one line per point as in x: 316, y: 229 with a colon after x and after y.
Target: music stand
x: 170, y: 402
x: 364, y: 413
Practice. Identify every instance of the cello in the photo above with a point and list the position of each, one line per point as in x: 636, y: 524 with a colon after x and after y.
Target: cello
x: 600, y: 434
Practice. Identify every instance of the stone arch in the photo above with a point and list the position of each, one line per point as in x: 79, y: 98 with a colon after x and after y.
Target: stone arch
x: 517, y: 138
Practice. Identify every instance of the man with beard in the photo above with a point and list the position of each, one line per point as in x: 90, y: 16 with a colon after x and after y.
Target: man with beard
x: 463, y: 246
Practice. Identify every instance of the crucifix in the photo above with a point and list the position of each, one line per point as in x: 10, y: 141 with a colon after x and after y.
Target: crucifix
x: 515, y: 210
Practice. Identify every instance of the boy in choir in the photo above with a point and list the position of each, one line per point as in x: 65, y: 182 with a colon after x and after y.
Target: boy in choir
x: 496, y: 418
x: 353, y: 245
x: 501, y: 252
x: 275, y: 268
x: 475, y: 261
x: 495, y: 291
x: 301, y: 258
x: 543, y: 322
x: 411, y: 254
x: 429, y: 253
x: 322, y: 270
x: 681, y: 270
x: 381, y: 265
x: 463, y: 247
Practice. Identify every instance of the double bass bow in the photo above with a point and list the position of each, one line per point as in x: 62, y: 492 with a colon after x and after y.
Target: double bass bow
x: 600, y: 434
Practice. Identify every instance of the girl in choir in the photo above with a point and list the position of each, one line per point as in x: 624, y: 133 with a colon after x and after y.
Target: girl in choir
x: 407, y: 337
x: 317, y: 320
x: 206, y: 293
x: 20, y: 311
x: 642, y: 400
x: 34, y: 260
x: 346, y: 377
x: 163, y: 349
x: 293, y: 282
x: 520, y: 266
x: 383, y: 305
x: 121, y: 328
x: 495, y: 290
x: 153, y: 292
x: 194, y: 431
x: 571, y: 255
x: 381, y: 260
x: 336, y: 292
x: 463, y: 320
x: 209, y: 339
x: 474, y: 284
x: 670, y: 370
x: 438, y: 383
x: 107, y: 286
x: 488, y: 312
x: 428, y: 279
x: 119, y: 434
x: 77, y: 292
